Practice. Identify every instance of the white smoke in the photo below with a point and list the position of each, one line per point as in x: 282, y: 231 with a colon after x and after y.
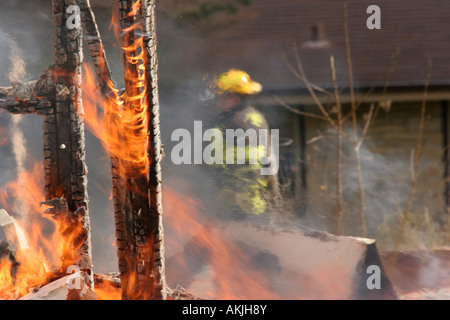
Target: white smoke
x: 17, y: 72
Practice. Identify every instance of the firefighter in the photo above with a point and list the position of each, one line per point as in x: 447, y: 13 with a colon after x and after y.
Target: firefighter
x: 243, y: 190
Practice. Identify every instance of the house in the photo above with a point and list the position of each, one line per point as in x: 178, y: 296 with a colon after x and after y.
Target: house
x: 392, y: 68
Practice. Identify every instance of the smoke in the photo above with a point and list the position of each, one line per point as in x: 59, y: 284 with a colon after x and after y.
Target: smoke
x: 17, y: 70
x: 18, y: 142
x: 433, y: 272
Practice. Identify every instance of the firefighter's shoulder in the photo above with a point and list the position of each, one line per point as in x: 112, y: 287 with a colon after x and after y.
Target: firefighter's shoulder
x: 250, y: 117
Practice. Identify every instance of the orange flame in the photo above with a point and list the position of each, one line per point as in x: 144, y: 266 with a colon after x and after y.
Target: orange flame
x: 233, y: 275
x: 48, y: 239
x: 46, y: 245
x: 122, y: 125
x: 108, y: 292
x: 135, y: 107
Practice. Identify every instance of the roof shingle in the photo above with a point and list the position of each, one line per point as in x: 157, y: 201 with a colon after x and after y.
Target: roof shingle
x: 419, y: 29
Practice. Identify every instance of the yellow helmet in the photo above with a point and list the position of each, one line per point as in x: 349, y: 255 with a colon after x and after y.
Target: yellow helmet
x: 237, y: 81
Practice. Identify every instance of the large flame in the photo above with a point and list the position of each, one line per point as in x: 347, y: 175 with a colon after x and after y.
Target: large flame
x: 108, y: 292
x: 43, y: 256
x: 232, y: 273
x: 122, y: 123
x: 135, y: 108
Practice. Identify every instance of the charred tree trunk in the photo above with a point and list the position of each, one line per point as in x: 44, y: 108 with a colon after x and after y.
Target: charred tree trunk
x: 136, y: 282
x: 125, y: 244
x: 136, y: 171
x: 64, y: 141
x: 97, y: 51
x: 112, y: 123
x: 155, y: 151
x: 141, y: 255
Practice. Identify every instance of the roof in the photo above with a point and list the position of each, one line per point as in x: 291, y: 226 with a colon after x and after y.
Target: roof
x: 419, y: 29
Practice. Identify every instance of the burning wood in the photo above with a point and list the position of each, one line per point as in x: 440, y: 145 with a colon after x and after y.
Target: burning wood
x: 70, y: 226
x: 142, y: 210
x: 64, y: 145
x: 97, y: 51
x: 29, y: 97
x: 137, y: 181
x: 133, y: 143
x: 57, y: 97
x: 7, y: 254
x: 155, y: 150
x: 245, y: 260
x: 16, y: 262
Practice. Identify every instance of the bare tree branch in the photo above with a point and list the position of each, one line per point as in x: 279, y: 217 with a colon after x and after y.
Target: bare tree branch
x: 307, y: 114
x: 339, y: 197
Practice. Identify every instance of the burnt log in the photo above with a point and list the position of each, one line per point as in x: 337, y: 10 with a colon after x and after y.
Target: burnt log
x: 123, y: 182
x: 136, y: 184
x: 112, y: 122
x: 111, y: 98
x: 138, y: 217
x: 64, y: 138
x: 133, y: 219
x: 97, y: 51
x: 155, y: 150
x: 29, y: 97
